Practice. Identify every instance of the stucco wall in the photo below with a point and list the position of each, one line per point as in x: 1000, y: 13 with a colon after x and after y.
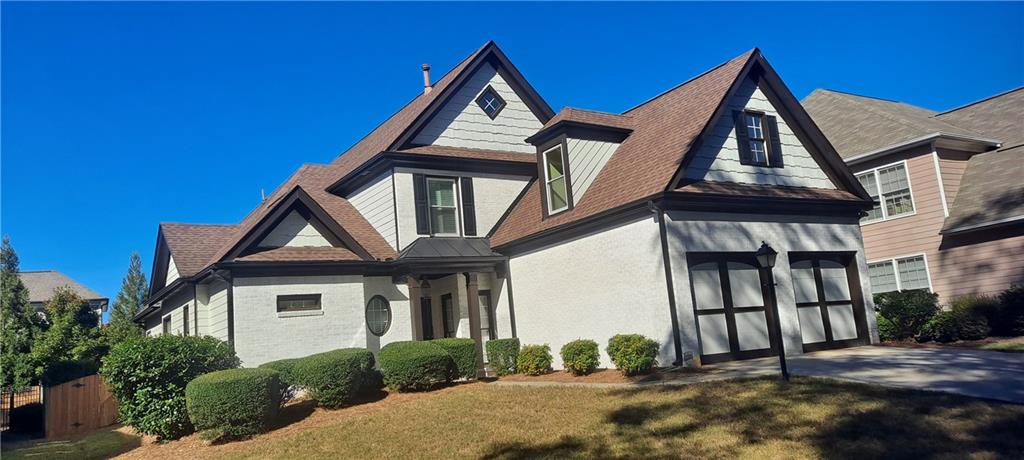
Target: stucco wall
x: 594, y: 287
x: 688, y: 231
x: 262, y: 334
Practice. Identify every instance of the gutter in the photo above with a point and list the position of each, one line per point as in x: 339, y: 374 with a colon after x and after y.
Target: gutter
x: 923, y: 140
x: 983, y: 225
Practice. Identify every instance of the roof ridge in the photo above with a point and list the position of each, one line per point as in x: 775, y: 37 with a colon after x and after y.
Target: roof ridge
x: 954, y: 109
x: 863, y: 96
x: 747, y: 54
x: 571, y: 109
x: 39, y: 271
x: 891, y: 117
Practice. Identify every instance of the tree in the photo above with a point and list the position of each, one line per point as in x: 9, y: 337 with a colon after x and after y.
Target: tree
x: 20, y: 324
x: 72, y: 335
x: 129, y: 300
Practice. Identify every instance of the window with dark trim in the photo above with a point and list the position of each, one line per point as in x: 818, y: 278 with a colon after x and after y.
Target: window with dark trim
x: 378, y: 315
x: 298, y: 302
x: 166, y: 324
x: 556, y: 190
x: 754, y: 124
x: 757, y: 137
x: 443, y: 206
x: 488, y: 330
x: 184, y: 318
x: 490, y: 102
x: 448, y: 315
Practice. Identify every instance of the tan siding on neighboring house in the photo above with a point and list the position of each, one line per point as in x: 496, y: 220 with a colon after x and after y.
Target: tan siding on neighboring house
x: 986, y: 267
x: 951, y: 166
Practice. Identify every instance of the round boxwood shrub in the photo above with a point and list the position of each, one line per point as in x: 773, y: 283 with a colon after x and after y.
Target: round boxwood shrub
x: 943, y: 327
x: 907, y: 310
x: 463, y: 352
x: 886, y: 329
x: 336, y: 378
x: 580, y: 357
x: 502, y: 355
x: 233, y: 403
x: 286, y: 371
x: 415, y: 366
x: 148, y: 376
x: 534, y: 360
x: 633, y: 354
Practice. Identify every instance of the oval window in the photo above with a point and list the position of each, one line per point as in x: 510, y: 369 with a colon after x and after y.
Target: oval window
x: 378, y: 315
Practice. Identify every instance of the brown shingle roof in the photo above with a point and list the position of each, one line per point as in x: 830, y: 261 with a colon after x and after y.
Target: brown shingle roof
x: 856, y: 125
x: 300, y: 254
x: 590, y: 117
x: 41, y: 284
x: 192, y: 245
x: 1000, y: 116
x: 645, y: 163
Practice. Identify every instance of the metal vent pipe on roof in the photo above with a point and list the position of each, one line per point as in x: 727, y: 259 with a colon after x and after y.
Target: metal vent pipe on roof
x: 426, y: 79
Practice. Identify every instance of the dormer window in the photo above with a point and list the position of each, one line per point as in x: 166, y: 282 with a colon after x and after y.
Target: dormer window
x: 555, y: 184
x: 757, y: 138
x: 490, y: 102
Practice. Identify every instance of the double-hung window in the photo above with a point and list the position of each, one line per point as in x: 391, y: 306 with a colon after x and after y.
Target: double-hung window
x: 555, y: 186
x: 754, y: 123
x: 900, y: 274
x: 890, y: 187
x: 443, y: 206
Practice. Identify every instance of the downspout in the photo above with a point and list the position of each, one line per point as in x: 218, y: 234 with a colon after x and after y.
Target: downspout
x: 667, y: 261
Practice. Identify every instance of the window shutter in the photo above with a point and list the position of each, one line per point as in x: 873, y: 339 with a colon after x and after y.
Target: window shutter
x: 419, y: 191
x: 775, y: 152
x: 742, y: 141
x: 468, y: 208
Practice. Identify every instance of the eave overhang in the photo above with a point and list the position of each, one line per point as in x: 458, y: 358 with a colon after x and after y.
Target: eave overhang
x: 940, y: 139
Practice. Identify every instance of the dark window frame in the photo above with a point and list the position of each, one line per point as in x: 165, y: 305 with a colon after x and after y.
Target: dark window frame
x: 457, y: 190
x: 366, y: 314
x: 293, y: 297
x: 489, y: 90
x: 165, y: 324
x: 771, y: 144
x: 491, y: 323
x: 184, y: 319
x: 448, y: 318
x: 558, y: 142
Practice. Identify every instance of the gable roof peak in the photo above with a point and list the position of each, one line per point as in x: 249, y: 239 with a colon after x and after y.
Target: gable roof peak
x: 743, y: 57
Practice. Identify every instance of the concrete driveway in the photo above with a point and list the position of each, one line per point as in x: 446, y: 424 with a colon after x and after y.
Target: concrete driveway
x: 983, y: 374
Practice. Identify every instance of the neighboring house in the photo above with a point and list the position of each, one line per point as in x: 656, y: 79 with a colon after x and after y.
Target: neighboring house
x: 42, y: 283
x: 476, y: 211
x: 949, y: 186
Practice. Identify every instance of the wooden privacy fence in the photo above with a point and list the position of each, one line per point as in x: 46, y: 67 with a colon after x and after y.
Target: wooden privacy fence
x: 79, y: 406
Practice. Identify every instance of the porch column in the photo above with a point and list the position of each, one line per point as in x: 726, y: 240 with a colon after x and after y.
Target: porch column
x: 415, y: 304
x: 473, y: 302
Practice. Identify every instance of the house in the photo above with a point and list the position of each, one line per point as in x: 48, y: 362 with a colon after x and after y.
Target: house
x: 477, y: 211
x: 42, y: 283
x: 949, y: 186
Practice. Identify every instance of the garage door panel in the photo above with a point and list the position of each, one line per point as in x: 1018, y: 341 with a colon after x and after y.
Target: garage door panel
x: 707, y: 287
x: 714, y: 334
x: 752, y: 330
x: 834, y: 280
x: 844, y: 324
x: 812, y: 327
x: 745, y: 285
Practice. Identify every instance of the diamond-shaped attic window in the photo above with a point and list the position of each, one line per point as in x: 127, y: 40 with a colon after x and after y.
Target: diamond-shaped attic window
x: 490, y: 102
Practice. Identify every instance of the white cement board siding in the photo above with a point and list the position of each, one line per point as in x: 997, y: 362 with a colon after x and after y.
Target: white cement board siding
x: 595, y: 287
x: 718, y: 159
x: 202, y: 309
x: 294, y: 231
x: 376, y: 202
x: 709, y: 232
x: 462, y: 123
x: 586, y: 159
x: 492, y: 196
x: 217, y: 308
x: 172, y: 271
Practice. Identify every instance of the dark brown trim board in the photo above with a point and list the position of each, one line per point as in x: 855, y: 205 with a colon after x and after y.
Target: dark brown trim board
x: 666, y: 259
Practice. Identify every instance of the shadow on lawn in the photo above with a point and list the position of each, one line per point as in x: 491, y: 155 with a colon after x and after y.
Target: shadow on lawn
x: 833, y: 419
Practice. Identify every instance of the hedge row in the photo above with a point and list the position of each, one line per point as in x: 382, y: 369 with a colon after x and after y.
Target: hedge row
x: 916, y: 315
x: 631, y: 353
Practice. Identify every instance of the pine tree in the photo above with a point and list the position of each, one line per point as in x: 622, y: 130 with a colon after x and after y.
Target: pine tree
x: 127, y: 303
x: 20, y: 324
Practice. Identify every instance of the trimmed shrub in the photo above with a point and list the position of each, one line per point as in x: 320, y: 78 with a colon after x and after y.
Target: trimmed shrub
x: 286, y: 372
x: 66, y: 371
x: 416, y: 366
x: 534, y: 360
x: 580, y: 357
x: 463, y: 352
x: 233, y: 403
x: 502, y: 355
x: 886, y: 329
x: 943, y: 327
x: 1011, y: 318
x: 148, y: 376
x: 972, y: 327
x: 907, y: 310
x: 336, y: 378
x: 633, y: 354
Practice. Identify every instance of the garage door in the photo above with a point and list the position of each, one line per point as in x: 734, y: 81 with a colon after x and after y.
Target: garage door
x: 828, y: 303
x: 732, y: 319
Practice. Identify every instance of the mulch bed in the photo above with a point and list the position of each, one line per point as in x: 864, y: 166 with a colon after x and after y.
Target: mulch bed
x: 606, y: 376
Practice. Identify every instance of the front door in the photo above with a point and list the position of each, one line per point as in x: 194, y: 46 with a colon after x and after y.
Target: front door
x: 828, y: 301
x: 733, y: 319
x: 427, y: 318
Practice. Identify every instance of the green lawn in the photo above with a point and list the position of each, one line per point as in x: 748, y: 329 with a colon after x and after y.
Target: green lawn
x: 98, y: 445
x: 808, y: 418
x: 1014, y: 347
x: 760, y: 418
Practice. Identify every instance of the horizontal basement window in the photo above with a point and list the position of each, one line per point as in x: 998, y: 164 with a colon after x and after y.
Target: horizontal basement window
x: 298, y: 302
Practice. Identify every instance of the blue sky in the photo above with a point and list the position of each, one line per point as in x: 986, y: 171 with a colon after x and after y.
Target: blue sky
x: 117, y: 116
